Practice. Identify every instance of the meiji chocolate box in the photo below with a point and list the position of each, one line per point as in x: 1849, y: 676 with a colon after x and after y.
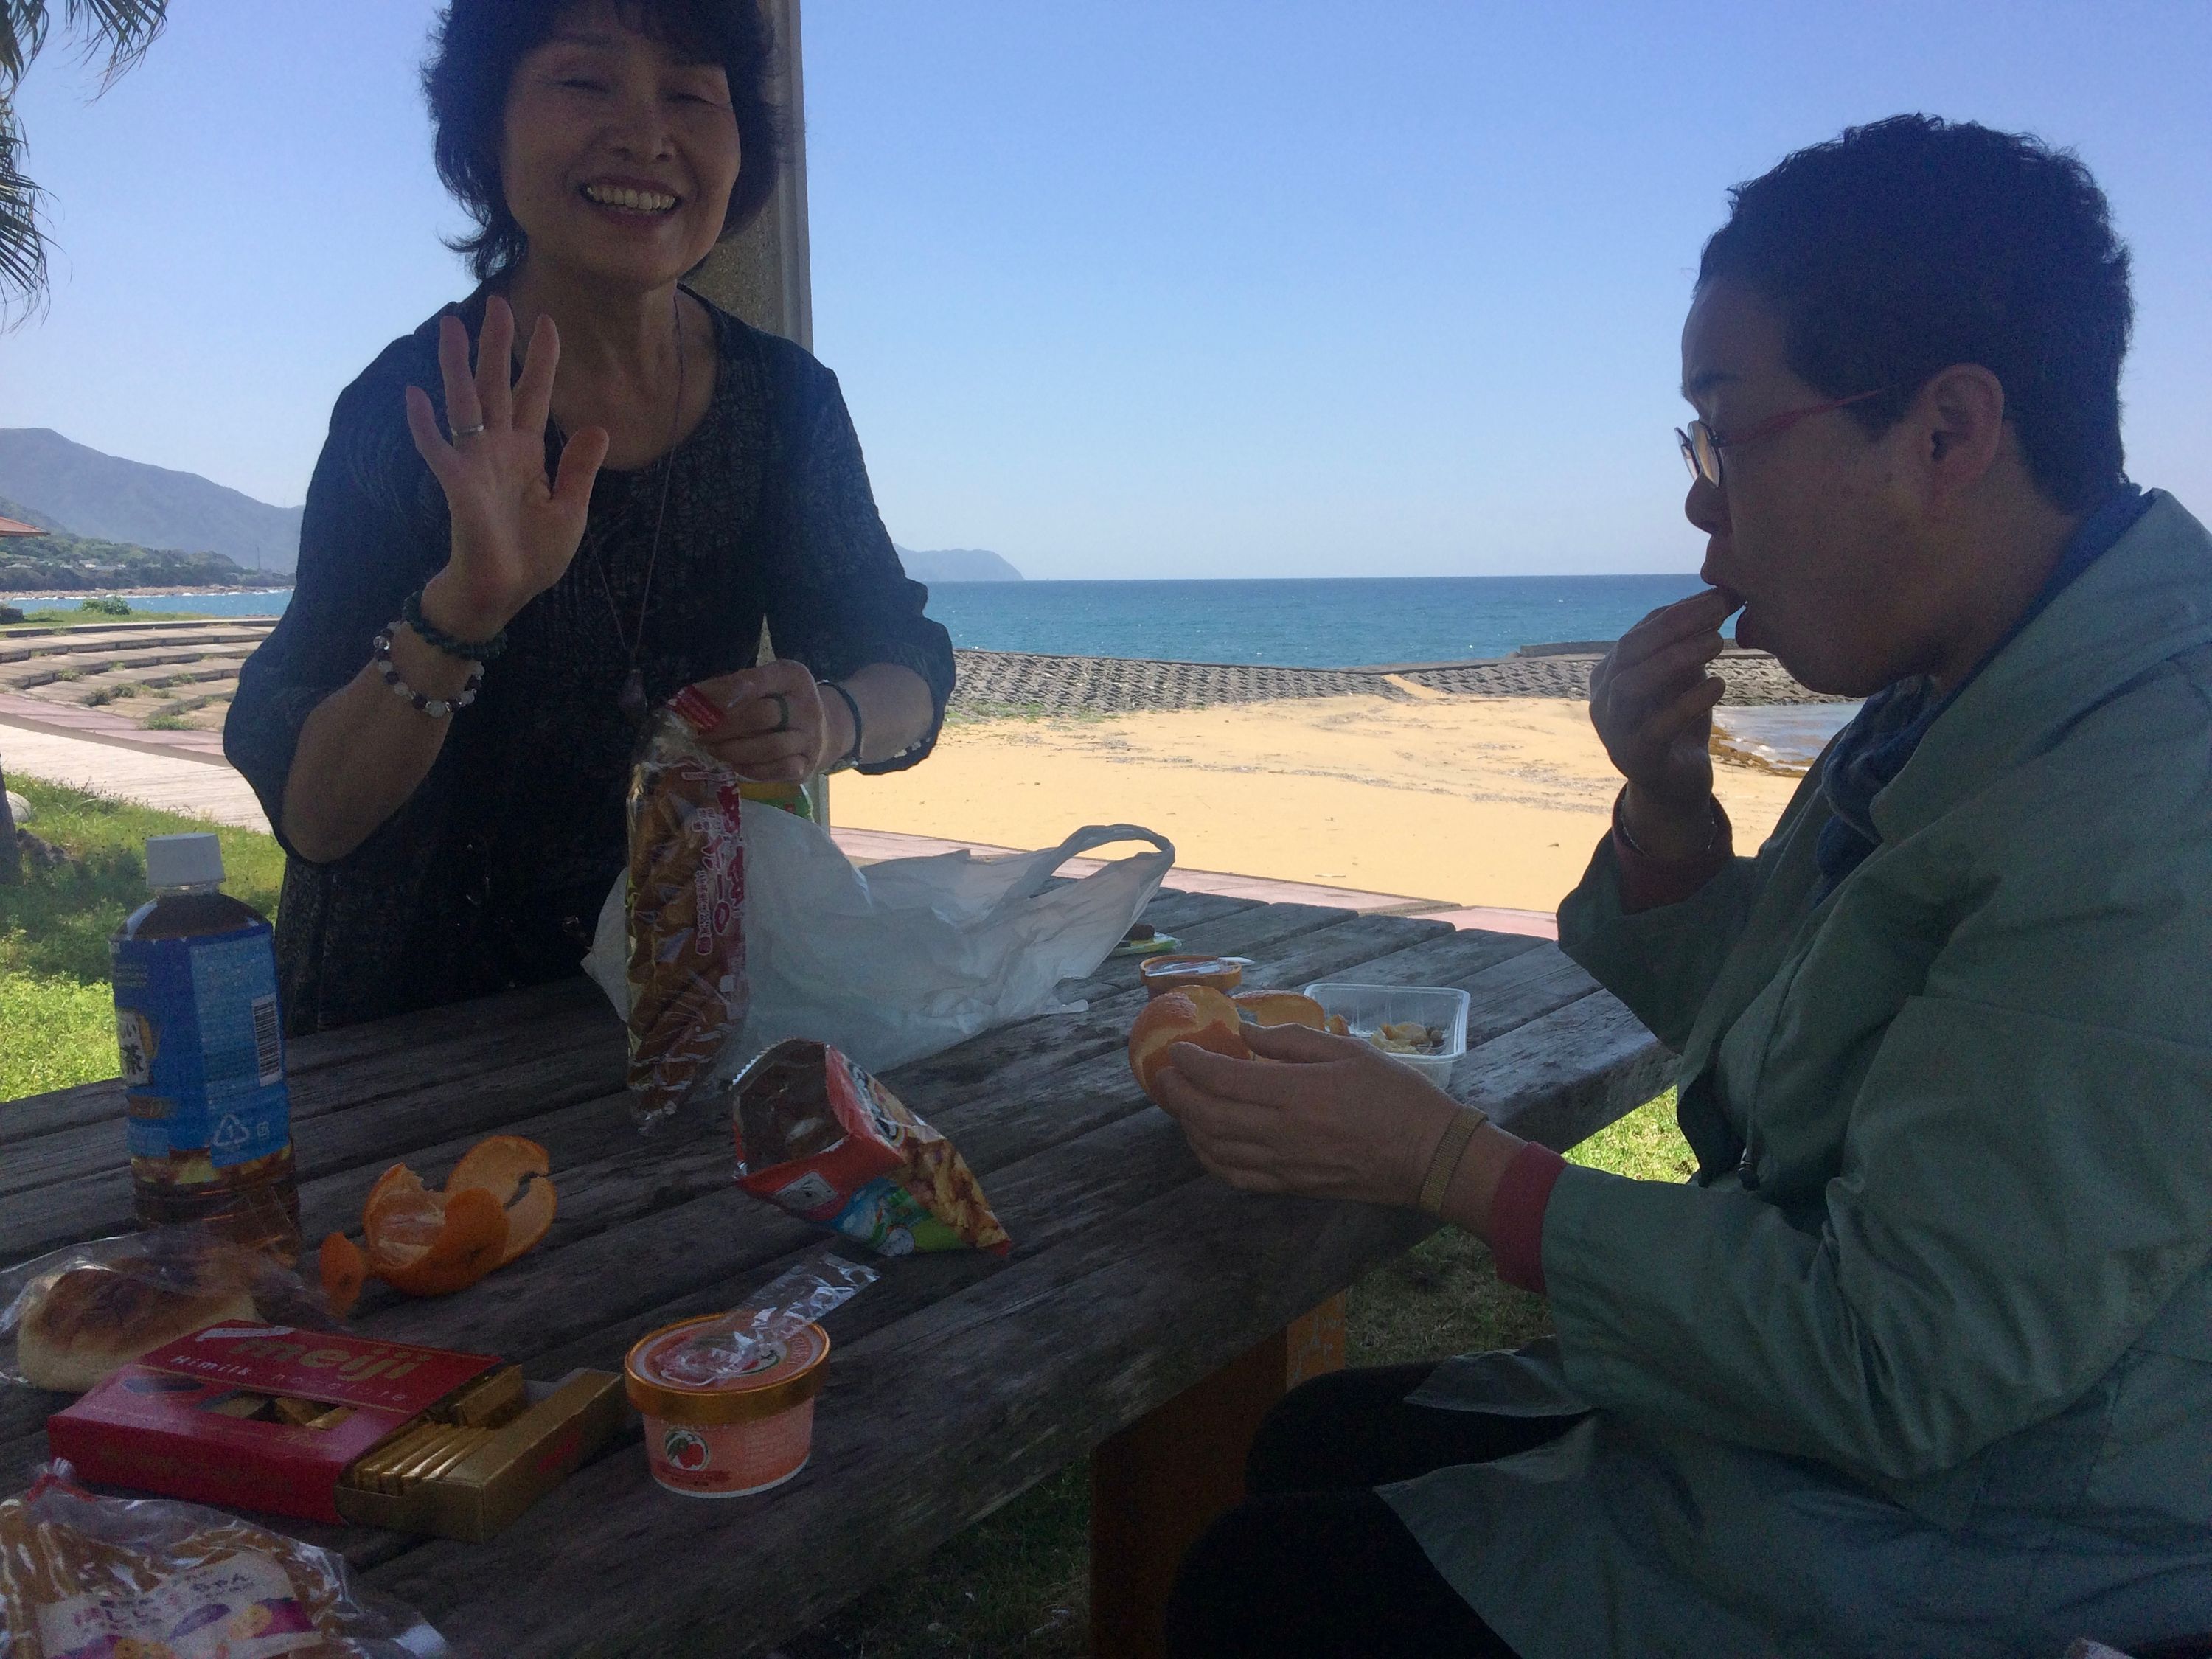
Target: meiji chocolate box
x: 330, y: 1426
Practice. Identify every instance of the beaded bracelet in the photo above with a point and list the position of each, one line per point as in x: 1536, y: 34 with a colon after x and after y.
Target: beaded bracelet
x: 476, y: 651
x: 851, y: 756
x: 436, y: 708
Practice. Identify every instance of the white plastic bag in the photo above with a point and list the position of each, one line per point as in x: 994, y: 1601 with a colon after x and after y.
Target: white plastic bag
x: 910, y: 956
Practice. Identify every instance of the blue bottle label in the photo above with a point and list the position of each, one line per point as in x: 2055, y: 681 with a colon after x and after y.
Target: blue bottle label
x: 203, y: 1048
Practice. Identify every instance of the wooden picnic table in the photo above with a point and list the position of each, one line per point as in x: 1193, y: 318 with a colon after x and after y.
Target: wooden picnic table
x: 1137, y: 1284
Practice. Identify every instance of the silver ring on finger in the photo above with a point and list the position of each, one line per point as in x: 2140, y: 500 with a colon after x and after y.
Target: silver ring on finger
x: 461, y: 432
x: 782, y: 712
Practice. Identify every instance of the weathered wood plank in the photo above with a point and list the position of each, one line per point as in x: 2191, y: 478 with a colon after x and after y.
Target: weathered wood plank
x: 359, y: 1113
x: 1566, y: 1075
x: 556, y: 1323
x: 466, y: 1036
x: 453, y: 1037
x: 937, y: 1420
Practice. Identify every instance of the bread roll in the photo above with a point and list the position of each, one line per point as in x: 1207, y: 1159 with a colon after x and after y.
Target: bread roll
x: 88, y: 1322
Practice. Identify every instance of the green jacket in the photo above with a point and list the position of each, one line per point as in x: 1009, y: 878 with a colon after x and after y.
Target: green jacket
x: 1921, y: 1362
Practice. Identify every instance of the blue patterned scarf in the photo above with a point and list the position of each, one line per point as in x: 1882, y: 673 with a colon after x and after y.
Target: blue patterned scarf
x: 1873, y: 749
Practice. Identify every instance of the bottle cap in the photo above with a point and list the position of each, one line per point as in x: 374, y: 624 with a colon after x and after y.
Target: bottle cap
x: 194, y: 860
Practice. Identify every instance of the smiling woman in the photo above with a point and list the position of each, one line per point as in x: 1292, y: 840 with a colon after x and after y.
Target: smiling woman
x: 554, y: 504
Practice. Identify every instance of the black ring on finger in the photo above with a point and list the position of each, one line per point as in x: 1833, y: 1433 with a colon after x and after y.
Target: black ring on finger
x: 782, y: 711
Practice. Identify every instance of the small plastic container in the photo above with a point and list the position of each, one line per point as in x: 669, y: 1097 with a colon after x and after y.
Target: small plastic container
x: 732, y: 1438
x: 1367, y: 1008
x: 1179, y: 973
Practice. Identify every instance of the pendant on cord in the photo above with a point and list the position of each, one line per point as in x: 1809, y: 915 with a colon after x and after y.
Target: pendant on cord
x: 632, y: 700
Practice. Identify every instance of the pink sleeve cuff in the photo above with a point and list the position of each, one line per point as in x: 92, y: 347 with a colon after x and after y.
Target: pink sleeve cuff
x: 1516, y: 1215
x: 1647, y: 883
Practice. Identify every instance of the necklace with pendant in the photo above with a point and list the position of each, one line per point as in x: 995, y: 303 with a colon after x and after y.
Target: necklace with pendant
x: 631, y: 700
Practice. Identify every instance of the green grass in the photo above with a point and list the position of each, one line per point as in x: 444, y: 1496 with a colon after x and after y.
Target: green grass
x: 54, y: 1001
x: 81, y: 618
x: 74, y: 1028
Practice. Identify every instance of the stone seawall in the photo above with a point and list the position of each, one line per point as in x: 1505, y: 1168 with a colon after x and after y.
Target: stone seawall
x: 1001, y: 682
x: 182, y: 674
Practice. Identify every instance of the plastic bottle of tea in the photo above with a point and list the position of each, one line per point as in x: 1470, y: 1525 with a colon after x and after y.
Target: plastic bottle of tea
x: 203, y: 1051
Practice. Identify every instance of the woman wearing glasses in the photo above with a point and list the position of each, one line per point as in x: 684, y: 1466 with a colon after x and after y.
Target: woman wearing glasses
x: 551, y: 508
x: 1920, y: 1361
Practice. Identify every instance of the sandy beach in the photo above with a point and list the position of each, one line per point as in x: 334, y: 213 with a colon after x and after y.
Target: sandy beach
x: 1464, y: 800
x: 1476, y: 784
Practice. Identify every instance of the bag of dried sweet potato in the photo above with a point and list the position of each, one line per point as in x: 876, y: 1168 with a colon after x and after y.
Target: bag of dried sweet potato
x: 819, y: 1137
x: 685, y: 910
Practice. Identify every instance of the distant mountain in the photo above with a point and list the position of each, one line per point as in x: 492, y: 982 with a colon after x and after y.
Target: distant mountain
x: 80, y: 564
x: 946, y: 564
x: 22, y: 514
x: 105, y: 498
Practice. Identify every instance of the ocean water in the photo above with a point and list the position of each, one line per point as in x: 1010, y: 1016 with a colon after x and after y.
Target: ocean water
x: 1320, y: 623
x: 1347, y: 621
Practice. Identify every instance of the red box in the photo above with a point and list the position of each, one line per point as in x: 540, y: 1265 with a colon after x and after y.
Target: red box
x: 149, y: 1425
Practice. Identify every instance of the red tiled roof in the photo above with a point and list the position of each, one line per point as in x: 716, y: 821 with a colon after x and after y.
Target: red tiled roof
x: 15, y: 527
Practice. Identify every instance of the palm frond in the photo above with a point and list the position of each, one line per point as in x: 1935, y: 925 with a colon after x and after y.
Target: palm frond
x: 22, y: 238
x: 120, y: 29
x: 22, y: 32
x: 124, y: 28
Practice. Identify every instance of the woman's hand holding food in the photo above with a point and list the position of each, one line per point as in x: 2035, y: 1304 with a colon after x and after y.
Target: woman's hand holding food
x: 1339, y: 1119
x: 514, y: 532
x: 780, y: 728
x: 1651, y: 701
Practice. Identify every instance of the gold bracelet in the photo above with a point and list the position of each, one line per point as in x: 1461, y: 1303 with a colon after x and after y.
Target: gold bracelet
x: 1445, y: 1164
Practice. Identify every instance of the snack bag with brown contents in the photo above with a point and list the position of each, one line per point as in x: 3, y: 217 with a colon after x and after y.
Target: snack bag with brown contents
x: 685, y: 910
x: 817, y: 1136
x: 82, y: 1575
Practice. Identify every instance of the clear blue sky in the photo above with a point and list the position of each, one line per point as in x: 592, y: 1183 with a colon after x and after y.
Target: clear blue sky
x: 1140, y: 289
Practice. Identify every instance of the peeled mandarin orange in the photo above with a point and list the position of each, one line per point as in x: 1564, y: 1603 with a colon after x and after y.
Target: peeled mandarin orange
x: 343, y: 1270
x: 498, y: 1163
x: 529, y: 1218
x: 397, y: 1186
x: 514, y: 1171
x: 469, y: 1242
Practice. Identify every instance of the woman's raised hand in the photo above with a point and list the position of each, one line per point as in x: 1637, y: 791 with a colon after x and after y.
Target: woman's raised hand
x: 1651, y: 701
x: 513, y: 531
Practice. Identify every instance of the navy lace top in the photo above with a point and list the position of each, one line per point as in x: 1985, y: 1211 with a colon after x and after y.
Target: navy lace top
x: 490, y: 876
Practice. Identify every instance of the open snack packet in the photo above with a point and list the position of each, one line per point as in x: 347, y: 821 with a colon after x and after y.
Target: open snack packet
x: 81, y: 1575
x: 817, y: 1136
x: 685, y: 910
x: 731, y: 1346
x: 69, y: 1317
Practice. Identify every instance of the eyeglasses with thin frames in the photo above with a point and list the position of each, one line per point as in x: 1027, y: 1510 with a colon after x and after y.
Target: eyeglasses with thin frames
x: 1701, y: 445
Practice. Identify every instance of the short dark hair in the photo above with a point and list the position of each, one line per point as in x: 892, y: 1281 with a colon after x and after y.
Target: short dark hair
x: 1914, y: 243
x: 476, y: 46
